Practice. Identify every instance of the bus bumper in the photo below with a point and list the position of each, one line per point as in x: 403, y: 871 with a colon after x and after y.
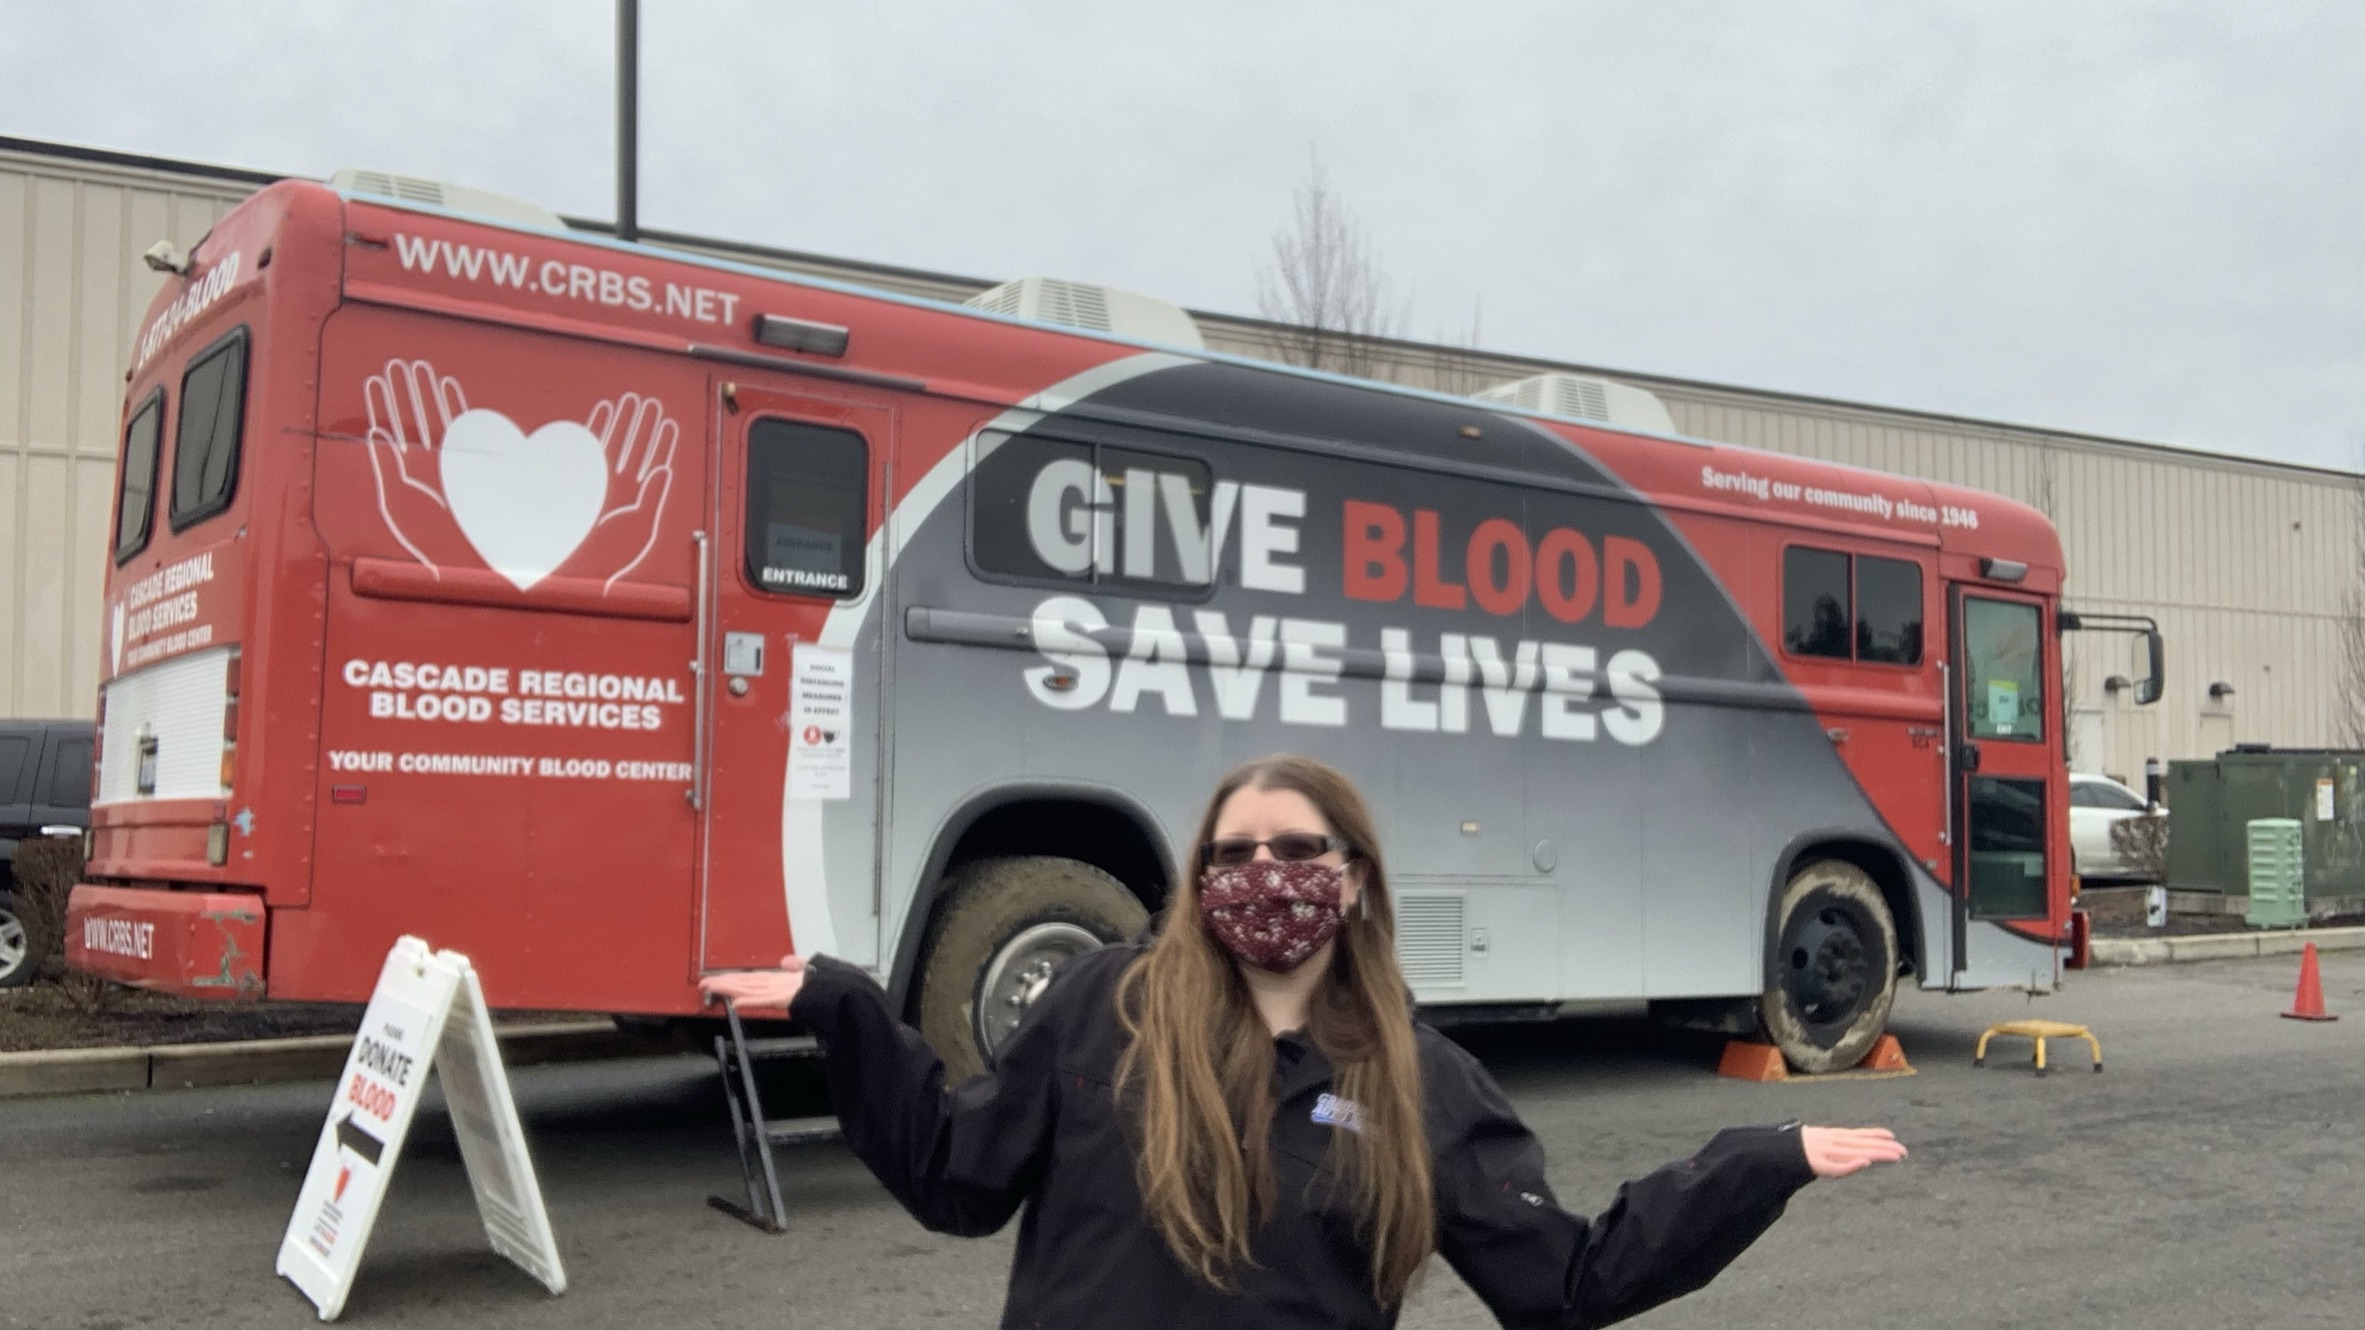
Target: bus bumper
x: 204, y: 944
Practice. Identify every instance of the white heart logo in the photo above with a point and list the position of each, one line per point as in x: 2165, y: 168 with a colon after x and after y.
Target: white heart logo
x: 524, y: 501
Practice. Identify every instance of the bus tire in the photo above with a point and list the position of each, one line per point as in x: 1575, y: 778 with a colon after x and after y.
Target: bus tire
x: 1006, y: 925
x: 20, y: 958
x: 1833, y: 975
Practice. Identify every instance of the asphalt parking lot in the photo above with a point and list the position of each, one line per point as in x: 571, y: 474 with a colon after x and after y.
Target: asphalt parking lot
x: 2212, y: 1176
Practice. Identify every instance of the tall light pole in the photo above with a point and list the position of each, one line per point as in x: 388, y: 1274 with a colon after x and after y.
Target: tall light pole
x: 628, y: 119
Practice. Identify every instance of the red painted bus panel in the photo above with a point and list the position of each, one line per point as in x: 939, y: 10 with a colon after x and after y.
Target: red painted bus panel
x: 204, y: 944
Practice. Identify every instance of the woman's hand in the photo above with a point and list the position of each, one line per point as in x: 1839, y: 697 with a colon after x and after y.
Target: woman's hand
x: 1835, y: 1152
x: 758, y: 988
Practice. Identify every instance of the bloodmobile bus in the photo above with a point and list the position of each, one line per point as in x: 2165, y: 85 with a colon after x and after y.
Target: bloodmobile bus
x: 617, y: 616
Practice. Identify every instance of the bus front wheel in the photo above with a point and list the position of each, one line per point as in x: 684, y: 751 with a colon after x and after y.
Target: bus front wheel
x: 1008, y: 925
x: 1834, y: 971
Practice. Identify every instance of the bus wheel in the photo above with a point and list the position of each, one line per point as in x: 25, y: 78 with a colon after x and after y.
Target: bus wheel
x: 1834, y: 974
x: 18, y: 962
x: 1008, y: 925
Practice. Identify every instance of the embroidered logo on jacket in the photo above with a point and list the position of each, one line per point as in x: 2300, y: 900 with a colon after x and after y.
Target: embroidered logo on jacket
x: 1334, y: 1111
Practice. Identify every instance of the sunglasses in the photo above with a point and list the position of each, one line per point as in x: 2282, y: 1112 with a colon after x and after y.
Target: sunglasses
x: 1290, y: 847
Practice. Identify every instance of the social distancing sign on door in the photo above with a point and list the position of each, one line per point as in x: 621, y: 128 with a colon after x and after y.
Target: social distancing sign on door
x: 820, y: 722
x: 428, y: 1012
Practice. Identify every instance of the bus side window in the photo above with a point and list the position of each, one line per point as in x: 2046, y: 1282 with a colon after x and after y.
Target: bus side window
x: 1888, y: 611
x: 1815, y: 602
x: 808, y: 496
x: 1036, y: 510
x: 1057, y: 510
x: 1851, y: 607
x: 213, y: 412
x: 135, y: 502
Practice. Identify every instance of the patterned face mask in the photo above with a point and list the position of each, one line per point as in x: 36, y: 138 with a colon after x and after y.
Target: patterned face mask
x: 1272, y: 913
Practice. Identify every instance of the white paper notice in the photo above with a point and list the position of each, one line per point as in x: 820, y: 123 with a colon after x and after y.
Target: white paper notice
x: 2325, y: 799
x: 820, y: 723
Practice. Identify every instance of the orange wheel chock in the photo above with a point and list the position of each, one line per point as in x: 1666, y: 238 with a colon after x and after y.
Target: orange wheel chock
x: 1886, y: 1055
x: 1744, y: 1060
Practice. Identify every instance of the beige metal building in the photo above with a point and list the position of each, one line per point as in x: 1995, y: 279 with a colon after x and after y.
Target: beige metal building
x: 2251, y: 567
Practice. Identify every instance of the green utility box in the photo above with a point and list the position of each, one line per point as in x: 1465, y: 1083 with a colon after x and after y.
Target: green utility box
x: 2211, y: 804
x: 2276, y: 871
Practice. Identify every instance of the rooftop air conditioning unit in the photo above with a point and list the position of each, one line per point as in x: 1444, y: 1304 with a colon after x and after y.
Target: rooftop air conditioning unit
x: 1586, y: 398
x: 1098, y: 308
x: 442, y: 194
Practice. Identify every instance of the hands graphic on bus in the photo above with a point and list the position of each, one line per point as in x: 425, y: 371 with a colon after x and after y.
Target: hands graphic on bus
x: 638, y: 440
x: 532, y: 519
x: 410, y: 410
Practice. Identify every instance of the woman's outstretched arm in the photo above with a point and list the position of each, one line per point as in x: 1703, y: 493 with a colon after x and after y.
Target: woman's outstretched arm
x: 1662, y: 1236
x: 961, y: 1159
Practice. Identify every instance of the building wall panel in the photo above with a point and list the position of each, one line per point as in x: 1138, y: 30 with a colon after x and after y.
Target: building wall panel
x: 73, y: 291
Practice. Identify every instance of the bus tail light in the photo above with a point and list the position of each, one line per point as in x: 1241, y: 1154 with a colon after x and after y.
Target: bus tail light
x: 230, y: 683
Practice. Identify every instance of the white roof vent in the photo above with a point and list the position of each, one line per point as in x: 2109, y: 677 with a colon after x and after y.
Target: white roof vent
x: 443, y: 194
x: 1586, y: 398
x: 1098, y: 308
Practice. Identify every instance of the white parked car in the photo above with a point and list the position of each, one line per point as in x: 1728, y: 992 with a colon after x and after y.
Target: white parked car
x: 2096, y: 802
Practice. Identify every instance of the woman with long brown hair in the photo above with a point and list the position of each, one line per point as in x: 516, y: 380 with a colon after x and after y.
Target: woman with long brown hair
x: 1240, y: 1122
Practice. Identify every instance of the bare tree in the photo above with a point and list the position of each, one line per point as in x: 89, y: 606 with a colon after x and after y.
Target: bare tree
x: 1324, y: 284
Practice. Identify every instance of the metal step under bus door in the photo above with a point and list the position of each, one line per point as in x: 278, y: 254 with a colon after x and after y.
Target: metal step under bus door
x: 736, y: 1055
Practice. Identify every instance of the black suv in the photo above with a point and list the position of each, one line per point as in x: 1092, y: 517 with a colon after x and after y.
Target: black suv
x: 44, y: 791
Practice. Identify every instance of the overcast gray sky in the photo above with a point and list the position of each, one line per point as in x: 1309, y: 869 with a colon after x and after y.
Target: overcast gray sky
x: 2140, y: 220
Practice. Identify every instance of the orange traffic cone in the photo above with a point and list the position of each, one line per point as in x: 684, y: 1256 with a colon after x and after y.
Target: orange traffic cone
x: 2308, y: 1003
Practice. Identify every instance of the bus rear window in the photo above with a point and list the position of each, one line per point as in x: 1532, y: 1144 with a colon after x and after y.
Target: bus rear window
x: 135, y: 502
x: 213, y: 411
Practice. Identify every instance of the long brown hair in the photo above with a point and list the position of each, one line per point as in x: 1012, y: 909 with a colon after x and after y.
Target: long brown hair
x: 1202, y: 1060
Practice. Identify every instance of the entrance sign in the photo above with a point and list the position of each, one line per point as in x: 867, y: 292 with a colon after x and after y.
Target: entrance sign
x: 428, y: 1011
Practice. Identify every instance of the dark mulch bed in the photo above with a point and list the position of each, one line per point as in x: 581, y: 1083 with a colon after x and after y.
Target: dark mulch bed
x: 52, y: 1015
x: 81, y: 1013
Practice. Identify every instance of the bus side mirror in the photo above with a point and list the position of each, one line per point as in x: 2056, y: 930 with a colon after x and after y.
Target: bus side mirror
x: 2147, y: 689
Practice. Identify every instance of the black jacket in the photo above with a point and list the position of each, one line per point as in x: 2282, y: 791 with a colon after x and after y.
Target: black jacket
x: 1041, y: 1130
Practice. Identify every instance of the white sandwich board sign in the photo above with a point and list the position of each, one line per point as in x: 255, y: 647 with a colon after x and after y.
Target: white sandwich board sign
x: 428, y: 1012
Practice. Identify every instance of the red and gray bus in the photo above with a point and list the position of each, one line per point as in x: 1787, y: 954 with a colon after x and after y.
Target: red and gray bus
x: 617, y: 616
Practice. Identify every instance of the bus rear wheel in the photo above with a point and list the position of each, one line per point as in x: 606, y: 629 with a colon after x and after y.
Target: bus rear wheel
x: 19, y: 959
x: 1834, y: 972
x: 1009, y: 925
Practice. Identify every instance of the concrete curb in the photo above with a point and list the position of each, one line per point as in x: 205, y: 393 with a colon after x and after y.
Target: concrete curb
x: 256, y: 1061
x: 2222, y: 946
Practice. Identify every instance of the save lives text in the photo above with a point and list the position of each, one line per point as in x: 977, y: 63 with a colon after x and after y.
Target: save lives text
x: 1079, y: 524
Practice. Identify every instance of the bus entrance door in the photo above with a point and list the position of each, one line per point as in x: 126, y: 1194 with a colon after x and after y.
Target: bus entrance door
x: 789, y: 778
x: 2004, y: 768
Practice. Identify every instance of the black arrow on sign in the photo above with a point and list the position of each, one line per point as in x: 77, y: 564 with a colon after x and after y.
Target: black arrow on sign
x: 358, y: 1140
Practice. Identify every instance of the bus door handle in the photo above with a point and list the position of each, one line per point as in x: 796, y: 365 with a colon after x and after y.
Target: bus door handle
x: 696, y: 794
x: 1966, y: 757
